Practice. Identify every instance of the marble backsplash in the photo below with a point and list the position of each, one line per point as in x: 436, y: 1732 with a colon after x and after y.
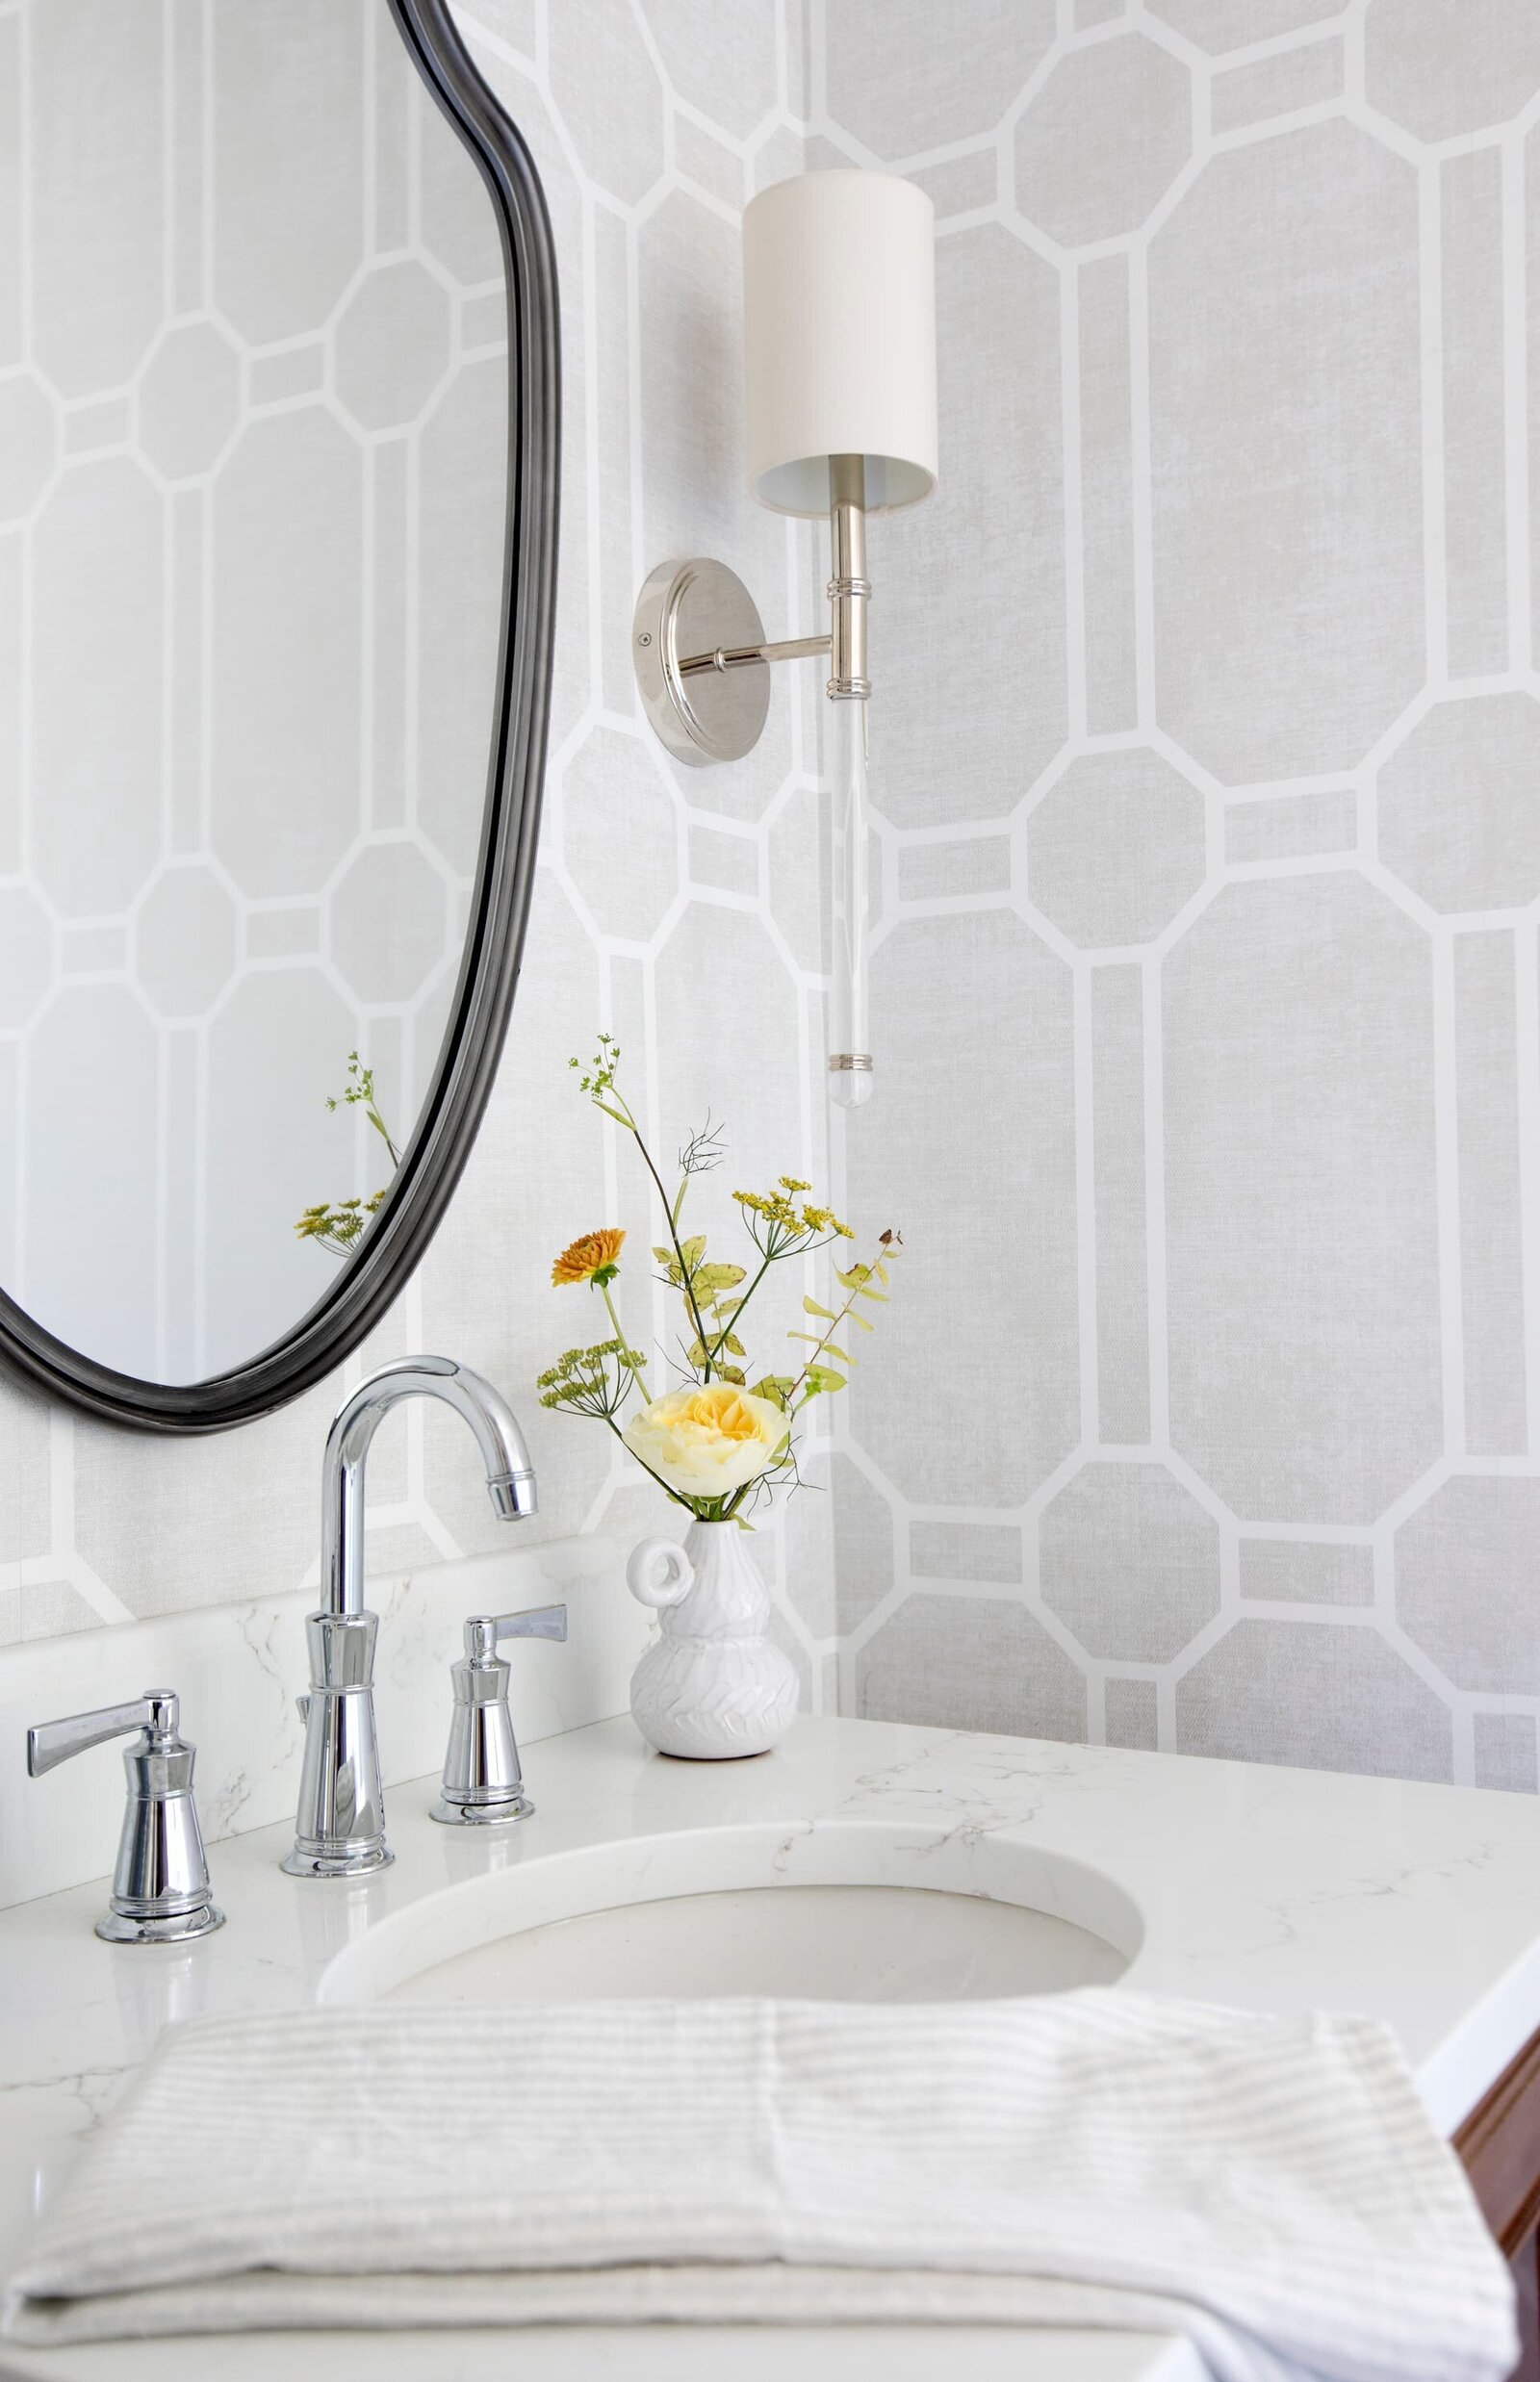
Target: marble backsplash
x: 238, y: 1669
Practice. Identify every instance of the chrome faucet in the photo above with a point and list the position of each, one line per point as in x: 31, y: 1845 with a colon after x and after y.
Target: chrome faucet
x: 340, y: 1827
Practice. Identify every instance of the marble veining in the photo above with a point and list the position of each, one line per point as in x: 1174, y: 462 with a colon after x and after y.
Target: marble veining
x: 239, y: 1668
x: 1259, y: 1888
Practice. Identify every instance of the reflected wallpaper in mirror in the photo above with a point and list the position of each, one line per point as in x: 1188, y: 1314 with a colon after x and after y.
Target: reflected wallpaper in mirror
x: 252, y: 472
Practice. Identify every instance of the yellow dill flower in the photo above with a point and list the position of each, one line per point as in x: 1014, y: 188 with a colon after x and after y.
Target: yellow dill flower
x: 593, y: 1253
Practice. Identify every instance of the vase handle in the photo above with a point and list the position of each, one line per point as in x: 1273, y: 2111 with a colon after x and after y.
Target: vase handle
x: 659, y: 1572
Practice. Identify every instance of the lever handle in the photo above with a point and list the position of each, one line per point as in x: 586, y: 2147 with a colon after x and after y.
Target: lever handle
x: 52, y: 1742
x: 484, y: 1632
x: 161, y: 1892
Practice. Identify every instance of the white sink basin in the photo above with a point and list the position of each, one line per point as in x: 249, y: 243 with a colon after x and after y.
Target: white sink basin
x: 845, y: 1912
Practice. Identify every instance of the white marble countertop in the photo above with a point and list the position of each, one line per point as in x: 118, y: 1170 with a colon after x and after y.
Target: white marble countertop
x: 1262, y: 1888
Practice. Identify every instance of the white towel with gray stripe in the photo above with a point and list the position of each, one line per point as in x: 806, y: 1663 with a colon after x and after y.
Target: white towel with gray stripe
x: 1270, y: 2187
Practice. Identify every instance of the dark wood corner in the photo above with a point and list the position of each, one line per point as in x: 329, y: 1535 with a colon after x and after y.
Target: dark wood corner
x: 1500, y: 2148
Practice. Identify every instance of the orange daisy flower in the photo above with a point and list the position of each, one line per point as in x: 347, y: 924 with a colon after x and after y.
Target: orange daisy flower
x: 590, y: 1254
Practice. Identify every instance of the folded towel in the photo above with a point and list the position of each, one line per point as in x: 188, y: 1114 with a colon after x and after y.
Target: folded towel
x: 1270, y: 2188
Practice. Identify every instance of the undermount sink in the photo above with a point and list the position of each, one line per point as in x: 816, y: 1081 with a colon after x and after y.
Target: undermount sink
x: 845, y: 1912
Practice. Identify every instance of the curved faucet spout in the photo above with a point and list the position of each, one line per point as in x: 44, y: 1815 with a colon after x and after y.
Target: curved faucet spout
x: 510, y: 1477
x: 341, y: 1825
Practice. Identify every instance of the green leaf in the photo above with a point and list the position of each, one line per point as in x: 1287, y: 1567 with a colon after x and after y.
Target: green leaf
x: 615, y: 1112
x: 733, y: 1344
x: 810, y: 1306
x: 730, y: 1372
x: 692, y: 1251
x: 664, y: 1257
x: 839, y: 1355
x: 864, y: 1320
x: 812, y: 1338
x: 821, y: 1381
x: 717, y: 1277
x: 865, y: 1293
x: 776, y: 1387
x: 881, y: 1271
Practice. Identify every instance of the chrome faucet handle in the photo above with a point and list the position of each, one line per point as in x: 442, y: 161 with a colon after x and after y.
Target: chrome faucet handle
x: 161, y: 1892
x: 483, y: 1784
x: 55, y: 1741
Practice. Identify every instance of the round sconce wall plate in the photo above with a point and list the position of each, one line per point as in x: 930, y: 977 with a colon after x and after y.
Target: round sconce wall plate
x: 710, y: 714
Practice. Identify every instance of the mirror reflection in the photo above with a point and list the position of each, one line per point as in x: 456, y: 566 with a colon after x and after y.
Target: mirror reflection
x: 253, y: 434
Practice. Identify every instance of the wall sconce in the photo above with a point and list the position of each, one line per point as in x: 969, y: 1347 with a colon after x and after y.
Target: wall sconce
x: 839, y: 345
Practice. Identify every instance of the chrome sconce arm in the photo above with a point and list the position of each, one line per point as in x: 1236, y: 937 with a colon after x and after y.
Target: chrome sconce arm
x: 678, y: 597
x: 703, y: 659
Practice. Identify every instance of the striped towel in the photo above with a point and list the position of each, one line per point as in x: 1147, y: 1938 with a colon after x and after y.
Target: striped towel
x: 1270, y: 2187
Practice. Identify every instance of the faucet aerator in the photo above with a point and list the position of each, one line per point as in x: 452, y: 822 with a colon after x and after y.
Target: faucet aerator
x: 514, y: 1497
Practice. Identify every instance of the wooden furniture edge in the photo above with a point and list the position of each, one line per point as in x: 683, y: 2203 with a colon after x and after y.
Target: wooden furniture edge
x: 1499, y: 2147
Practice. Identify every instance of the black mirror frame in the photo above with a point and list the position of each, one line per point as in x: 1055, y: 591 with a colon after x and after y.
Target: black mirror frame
x: 374, y: 1276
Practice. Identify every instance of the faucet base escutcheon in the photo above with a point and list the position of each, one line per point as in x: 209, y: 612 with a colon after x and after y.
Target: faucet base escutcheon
x: 482, y: 1814
x: 336, y: 1862
x: 183, y: 1927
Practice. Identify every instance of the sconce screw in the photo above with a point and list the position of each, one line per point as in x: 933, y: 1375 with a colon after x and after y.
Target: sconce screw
x: 645, y: 637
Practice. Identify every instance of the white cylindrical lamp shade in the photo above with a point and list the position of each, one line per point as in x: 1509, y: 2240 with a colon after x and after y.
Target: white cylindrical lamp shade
x: 839, y: 338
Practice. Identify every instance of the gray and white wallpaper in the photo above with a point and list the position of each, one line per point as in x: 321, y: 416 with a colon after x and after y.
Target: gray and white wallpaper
x: 1207, y: 746
x: 684, y: 915
x: 252, y: 433
x: 1206, y: 754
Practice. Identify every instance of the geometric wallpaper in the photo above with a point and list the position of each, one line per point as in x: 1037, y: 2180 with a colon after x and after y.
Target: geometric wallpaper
x: 252, y: 433
x: 1206, y: 766
x: 679, y: 909
x: 1207, y: 743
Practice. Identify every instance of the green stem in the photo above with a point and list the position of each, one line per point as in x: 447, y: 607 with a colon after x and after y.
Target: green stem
x: 674, y: 1242
x: 609, y: 1307
x: 823, y: 1344
x: 737, y: 1313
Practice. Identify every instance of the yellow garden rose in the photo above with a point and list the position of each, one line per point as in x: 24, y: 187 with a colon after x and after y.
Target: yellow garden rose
x: 706, y: 1443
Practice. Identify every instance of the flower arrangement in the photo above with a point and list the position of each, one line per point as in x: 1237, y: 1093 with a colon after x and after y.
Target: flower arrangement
x: 715, y: 1444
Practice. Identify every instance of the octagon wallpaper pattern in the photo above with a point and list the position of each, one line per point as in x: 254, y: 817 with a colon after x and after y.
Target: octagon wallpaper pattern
x: 1206, y: 749
x: 246, y: 761
x: 1210, y: 774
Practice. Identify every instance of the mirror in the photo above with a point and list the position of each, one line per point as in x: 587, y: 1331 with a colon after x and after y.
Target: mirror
x: 276, y: 559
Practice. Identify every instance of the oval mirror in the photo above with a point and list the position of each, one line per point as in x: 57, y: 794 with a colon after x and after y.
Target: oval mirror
x: 278, y: 357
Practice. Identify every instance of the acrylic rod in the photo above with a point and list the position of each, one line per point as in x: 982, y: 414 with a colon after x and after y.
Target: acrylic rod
x: 850, y: 1059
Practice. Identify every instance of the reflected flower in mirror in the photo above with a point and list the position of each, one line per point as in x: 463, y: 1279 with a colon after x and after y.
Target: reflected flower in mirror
x: 338, y: 1225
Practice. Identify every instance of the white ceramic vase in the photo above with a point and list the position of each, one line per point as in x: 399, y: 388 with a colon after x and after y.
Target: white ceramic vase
x: 712, y: 1687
